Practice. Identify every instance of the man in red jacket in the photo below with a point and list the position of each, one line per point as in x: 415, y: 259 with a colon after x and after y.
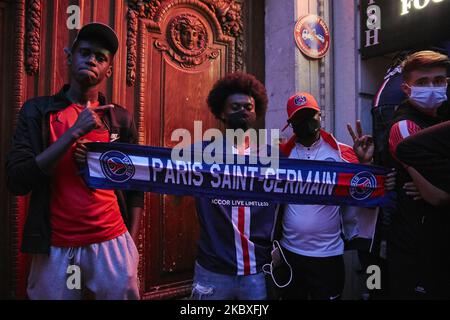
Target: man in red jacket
x: 311, y: 234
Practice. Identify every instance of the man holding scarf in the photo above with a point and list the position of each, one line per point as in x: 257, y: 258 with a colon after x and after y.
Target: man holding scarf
x: 311, y: 236
x: 70, y: 226
x: 235, y: 240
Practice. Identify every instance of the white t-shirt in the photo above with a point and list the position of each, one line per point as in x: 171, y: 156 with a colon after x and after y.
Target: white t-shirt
x: 313, y: 230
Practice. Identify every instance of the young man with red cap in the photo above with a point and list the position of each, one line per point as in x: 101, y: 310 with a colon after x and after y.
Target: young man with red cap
x: 311, y: 234
x: 77, y: 235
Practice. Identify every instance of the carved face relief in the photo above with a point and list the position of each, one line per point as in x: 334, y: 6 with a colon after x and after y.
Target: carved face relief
x: 188, y: 34
x: 189, y: 37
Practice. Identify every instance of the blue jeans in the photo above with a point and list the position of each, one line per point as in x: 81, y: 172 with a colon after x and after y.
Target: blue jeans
x: 215, y: 286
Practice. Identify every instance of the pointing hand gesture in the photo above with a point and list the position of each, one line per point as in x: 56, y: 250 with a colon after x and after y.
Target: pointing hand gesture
x: 88, y: 119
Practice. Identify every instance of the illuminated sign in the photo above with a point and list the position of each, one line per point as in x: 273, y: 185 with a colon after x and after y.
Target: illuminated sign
x: 392, y: 25
x: 373, y: 24
x: 407, y: 5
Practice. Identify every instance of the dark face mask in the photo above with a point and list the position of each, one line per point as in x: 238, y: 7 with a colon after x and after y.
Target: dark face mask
x: 307, y: 128
x: 241, y: 120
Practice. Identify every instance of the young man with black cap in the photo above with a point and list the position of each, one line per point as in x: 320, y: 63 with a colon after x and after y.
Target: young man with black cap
x: 311, y: 236
x: 70, y: 227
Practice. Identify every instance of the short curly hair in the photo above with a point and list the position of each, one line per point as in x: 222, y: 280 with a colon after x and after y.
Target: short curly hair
x: 237, y: 82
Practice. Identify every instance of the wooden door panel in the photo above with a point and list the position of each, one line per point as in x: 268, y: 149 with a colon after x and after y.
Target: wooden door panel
x: 179, y: 234
x: 185, y: 100
x: 186, y: 51
x: 6, y: 116
x: 163, y: 84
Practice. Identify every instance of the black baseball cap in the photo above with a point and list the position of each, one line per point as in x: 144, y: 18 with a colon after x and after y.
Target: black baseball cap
x: 99, y: 32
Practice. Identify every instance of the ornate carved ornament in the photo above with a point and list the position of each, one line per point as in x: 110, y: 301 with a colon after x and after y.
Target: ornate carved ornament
x: 33, y: 37
x: 188, y: 40
x: 187, y: 37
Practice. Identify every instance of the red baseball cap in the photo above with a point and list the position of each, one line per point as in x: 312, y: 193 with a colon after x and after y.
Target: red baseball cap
x: 299, y: 101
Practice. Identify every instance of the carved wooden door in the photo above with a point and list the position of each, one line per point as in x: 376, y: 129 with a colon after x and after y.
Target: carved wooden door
x: 170, y: 54
x: 179, y: 49
x: 6, y: 119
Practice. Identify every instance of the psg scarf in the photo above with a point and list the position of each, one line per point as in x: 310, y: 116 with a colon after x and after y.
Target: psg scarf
x: 152, y: 169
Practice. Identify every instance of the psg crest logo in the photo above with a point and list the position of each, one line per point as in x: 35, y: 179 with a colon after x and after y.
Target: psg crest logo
x: 117, y: 166
x: 362, y: 185
x: 300, y: 100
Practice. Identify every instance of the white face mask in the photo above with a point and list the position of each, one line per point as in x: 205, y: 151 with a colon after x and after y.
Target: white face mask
x: 428, y: 97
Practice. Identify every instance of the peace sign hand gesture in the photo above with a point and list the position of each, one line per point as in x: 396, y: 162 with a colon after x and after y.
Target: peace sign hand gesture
x: 363, y: 145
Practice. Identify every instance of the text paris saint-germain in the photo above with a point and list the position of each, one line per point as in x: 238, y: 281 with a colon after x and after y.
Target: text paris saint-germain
x: 242, y: 177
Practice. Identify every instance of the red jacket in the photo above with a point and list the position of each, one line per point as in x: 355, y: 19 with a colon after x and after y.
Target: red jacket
x: 357, y: 223
x: 345, y: 151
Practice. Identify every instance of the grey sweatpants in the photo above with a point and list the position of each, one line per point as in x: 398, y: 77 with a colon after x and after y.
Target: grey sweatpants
x: 107, y: 269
